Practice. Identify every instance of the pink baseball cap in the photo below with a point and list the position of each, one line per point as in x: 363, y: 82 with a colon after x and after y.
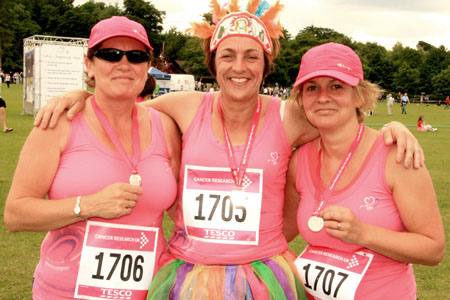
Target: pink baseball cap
x: 118, y: 26
x: 331, y: 60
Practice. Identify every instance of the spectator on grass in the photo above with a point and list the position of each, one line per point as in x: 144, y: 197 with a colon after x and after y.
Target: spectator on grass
x: 6, y: 129
x: 405, y: 101
x: 108, y: 177
x: 422, y: 126
x: 389, y: 103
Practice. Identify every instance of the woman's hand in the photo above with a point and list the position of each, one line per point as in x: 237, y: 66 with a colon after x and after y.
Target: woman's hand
x: 49, y: 114
x: 113, y: 201
x: 342, y: 223
x: 408, y: 148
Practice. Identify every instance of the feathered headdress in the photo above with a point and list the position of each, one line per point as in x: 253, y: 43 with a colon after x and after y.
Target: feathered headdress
x: 257, y: 22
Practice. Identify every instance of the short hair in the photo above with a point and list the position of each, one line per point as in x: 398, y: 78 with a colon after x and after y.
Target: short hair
x: 366, y: 91
x: 268, y: 58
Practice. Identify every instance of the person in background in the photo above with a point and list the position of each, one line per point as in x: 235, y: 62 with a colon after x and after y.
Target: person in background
x: 6, y: 129
x: 447, y: 102
x: 404, y: 101
x: 365, y: 218
x: 422, y: 126
x: 389, y: 103
x: 149, y: 87
x: 8, y: 79
x: 236, y: 146
x: 102, y: 184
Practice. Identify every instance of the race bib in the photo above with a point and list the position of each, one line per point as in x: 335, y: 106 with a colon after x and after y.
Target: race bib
x: 332, y: 274
x: 117, y: 261
x: 215, y: 212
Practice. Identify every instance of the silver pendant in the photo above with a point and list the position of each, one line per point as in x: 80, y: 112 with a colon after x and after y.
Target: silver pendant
x: 315, y: 223
x: 135, y: 179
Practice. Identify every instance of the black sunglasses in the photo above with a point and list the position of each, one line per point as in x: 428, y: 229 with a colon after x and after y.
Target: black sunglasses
x: 115, y: 55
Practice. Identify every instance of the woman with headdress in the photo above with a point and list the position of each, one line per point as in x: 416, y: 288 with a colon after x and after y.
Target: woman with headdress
x: 228, y: 240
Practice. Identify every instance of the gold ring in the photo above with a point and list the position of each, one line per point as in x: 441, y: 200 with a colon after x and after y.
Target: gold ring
x: 339, y: 226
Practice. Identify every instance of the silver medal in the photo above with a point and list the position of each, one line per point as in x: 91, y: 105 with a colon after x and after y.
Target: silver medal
x: 315, y: 223
x: 135, y: 179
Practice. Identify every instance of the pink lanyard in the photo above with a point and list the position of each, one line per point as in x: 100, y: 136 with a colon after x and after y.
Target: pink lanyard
x: 327, y: 194
x: 239, y: 172
x: 132, y: 163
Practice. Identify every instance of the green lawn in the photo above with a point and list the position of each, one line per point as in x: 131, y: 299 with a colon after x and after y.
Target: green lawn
x: 19, y: 252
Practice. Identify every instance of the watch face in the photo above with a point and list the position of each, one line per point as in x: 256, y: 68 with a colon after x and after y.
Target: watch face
x: 77, y: 210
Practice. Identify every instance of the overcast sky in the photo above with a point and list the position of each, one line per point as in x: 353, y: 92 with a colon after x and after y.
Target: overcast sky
x: 382, y: 21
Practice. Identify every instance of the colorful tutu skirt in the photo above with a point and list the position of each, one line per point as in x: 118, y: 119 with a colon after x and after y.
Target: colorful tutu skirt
x: 273, y: 278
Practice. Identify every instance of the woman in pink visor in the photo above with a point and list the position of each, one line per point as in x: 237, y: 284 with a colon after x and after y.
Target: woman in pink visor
x: 100, y: 184
x: 366, y: 219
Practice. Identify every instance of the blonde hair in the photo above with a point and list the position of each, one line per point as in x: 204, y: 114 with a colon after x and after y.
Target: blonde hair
x: 366, y: 92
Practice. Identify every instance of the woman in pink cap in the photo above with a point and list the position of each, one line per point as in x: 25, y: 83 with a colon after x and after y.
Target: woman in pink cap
x: 366, y: 219
x: 228, y: 241
x: 100, y: 184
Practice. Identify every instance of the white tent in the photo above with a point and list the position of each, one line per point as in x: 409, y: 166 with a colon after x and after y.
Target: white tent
x: 52, y: 65
x: 162, y: 80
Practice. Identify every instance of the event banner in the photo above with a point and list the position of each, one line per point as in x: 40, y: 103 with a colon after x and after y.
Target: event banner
x: 60, y: 70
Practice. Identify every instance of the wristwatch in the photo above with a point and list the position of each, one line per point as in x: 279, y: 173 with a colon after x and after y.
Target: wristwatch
x: 77, y: 208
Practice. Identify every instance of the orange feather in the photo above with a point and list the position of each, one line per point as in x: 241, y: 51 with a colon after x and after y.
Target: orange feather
x: 233, y: 6
x: 268, y: 18
x: 202, y: 30
x: 215, y: 9
x: 252, y: 6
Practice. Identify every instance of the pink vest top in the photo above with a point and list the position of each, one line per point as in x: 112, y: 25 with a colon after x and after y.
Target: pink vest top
x: 205, y: 158
x: 86, y: 167
x: 371, y: 200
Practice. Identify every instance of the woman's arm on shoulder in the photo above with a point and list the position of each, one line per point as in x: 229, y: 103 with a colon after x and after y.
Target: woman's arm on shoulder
x: 180, y: 106
x: 291, y: 200
x: 297, y: 126
x: 49, y: 114
x: 408, y: 147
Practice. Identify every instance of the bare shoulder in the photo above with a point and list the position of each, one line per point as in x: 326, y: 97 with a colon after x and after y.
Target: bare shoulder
x: 180, y: 106
x: 55, y: 138
x: 397, y: 173
x: 182, y: 98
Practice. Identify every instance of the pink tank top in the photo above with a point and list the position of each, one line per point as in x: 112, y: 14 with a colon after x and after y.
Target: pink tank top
x: 86, y: 167
x: 211, y: 227
x: 371, y: 200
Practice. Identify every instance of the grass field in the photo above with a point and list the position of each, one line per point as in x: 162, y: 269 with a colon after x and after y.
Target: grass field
x: 19, y: 252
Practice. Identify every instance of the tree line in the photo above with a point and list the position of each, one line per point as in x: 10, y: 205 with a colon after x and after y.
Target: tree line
x: 424, y: 69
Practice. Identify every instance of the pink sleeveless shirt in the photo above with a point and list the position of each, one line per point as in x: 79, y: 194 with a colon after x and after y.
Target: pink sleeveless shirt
x: 86, y: 167
x: 211, y: 227
x: 371, y: 200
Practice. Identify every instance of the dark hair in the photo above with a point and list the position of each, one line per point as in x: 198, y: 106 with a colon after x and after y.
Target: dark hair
x: 149, y: 87
x: 268, y: 58
x: 90, y: 81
